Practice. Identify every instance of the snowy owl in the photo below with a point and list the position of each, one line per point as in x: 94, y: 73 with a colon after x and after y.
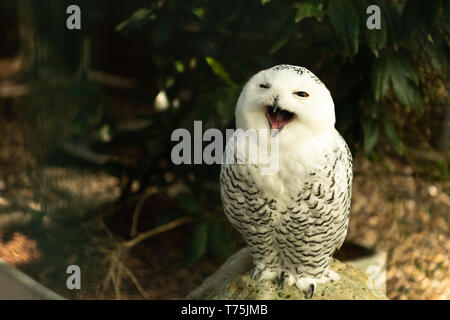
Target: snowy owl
x: 294, y: 219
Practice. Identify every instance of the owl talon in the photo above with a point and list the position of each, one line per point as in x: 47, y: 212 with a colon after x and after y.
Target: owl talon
x: 309, y: 292
x: 281, y: 280
x: 256, y: 274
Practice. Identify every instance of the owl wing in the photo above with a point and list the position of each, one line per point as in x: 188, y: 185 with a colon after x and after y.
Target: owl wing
x: 248, y: 208
x: 317, y: 221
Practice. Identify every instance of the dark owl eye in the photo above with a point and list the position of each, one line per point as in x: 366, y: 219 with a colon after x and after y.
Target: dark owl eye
x: 302, y: 94
x: 264, y: 85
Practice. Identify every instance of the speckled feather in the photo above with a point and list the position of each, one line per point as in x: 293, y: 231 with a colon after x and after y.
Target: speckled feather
x: 294, y: 220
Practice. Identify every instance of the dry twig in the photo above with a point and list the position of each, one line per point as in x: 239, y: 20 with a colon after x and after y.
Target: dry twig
x: 117, y: 255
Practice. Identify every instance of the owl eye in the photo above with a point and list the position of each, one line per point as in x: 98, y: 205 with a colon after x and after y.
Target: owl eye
x: 302, y: 94
x: 264, y: 86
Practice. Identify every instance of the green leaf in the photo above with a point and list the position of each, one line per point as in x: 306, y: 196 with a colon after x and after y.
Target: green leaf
x: 283, y: 35
x: 406, y: 92
x: 199, y: 243
x: 409, y: 70
x: 220, y: 244
x: 189, y: 204
x: 379, y: 78
x: 345, y: 23
x: 438, y: 54
x: 405, y: 80
x: 403, y: 75
x: 136, y: 21
x: 399, y: 66
x: 199, y: 12
x: 376, y: 38
x: 219, y: 71
x: 309, y: 10
x: 392, y: 135
x: 179, y: 66
x: 370, y: 133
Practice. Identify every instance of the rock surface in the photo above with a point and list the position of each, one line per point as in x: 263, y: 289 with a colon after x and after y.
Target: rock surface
x: 16, y: 285
x: 233, y: 281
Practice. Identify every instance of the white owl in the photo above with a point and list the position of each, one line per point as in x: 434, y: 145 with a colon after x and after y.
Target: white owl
x: 295, y: 219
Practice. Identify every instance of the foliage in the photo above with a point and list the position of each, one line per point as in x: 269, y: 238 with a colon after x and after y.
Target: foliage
x: 202, y: 51
x: 237, y: 38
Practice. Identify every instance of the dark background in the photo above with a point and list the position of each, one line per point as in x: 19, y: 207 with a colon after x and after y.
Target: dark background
x: 86, y: 117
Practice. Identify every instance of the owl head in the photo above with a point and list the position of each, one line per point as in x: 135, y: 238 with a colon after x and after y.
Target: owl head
x: 288, y: 98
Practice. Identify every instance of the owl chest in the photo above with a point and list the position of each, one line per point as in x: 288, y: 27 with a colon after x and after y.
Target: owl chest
x: 301, y: 198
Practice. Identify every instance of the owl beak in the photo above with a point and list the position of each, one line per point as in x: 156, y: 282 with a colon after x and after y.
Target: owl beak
x: 275, y: 104
x: 278, y: 117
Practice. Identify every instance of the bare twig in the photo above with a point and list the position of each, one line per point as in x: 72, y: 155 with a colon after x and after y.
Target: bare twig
x: 116, y: 257
x: 155, y: 231
x: 138, y: 209
x: 138, y: 285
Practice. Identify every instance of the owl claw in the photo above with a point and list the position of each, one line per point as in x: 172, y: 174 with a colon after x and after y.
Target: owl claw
x: 309, y: 292
x: 281, y: 280
x: 256, y: 274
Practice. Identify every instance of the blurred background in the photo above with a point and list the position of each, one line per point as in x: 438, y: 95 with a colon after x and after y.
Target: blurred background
x: 86, y: 118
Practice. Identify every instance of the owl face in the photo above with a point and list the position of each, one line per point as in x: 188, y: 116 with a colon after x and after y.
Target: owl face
x: 286, y: 98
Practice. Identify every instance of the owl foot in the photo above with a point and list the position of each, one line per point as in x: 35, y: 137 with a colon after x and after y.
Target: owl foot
x: 256, y: 274
x: 330, y: 275
x: 309, y: 292
x: 262, y: 272
x: 308, y: 286
x: 281, y: 280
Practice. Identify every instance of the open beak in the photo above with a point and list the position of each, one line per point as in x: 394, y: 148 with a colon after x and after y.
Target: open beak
x: 278, y: 117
